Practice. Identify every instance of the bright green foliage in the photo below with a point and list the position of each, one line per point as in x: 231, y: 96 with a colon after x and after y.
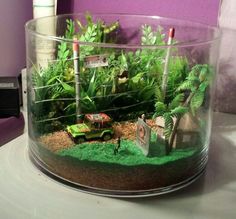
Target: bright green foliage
x: 70, y: 29
x: 197, y: 100
x: 149, y: 37
x: 196, y: 84
x: 179, y: 111
x: 129, y: 86
x: 168, y: 124
x: 63, y: 52
x: 178, y: 71
x: 129, y: 154
x: 170, y: 112
x: 178, y: 99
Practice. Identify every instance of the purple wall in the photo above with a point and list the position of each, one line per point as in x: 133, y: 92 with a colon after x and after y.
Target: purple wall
x: 205, y: 11
x: 13, y: 15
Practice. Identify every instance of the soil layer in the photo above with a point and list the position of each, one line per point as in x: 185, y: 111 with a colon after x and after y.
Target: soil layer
x: 111, y: 176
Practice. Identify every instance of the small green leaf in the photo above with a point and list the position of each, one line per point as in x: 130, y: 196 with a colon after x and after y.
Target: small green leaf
x: 124, y: 63
x: 179, y: 98
x: 52, y: 80
x: 203, y: 74
x: 80, y: 25
x: 179, y: 111
x: 160, y: 108
x: 203, y: 86
x: 136, y: 79
x: 88, y: 104
x: 65, y: 55
x: 147, y: 93
x: 159, y: 94
x: 143, y: 40
x: 168, y: 125
x: 186, y: 85
x: 68, y: 89
x: 70, y: 29
x: 196, y: 101
x: 92, y: 85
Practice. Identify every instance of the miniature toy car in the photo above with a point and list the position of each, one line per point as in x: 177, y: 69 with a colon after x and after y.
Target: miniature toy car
x: 93, y: 126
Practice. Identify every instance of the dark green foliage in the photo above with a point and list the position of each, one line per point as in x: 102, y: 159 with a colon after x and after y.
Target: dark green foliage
x: 63, y: 52
x: 129, y: 86
x: 197, y: 100
x: 194, y: 85
x: 169, y: 112
x: 70, y: 29
x: 129, y: 154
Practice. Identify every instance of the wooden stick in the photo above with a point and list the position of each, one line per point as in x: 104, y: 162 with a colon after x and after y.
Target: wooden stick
x: 165, y: 73
x: 77, y: 78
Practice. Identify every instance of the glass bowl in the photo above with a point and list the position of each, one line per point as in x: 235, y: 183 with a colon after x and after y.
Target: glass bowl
x: 120, y: 105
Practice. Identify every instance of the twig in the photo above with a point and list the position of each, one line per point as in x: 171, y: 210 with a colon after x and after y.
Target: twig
x: 165, y: 73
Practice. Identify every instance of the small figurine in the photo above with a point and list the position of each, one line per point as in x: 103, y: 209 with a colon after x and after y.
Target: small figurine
x: 117, y: 147
x: 143, y: 117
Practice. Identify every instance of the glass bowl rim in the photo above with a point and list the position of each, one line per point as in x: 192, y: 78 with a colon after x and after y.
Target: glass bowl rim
x: 125, y: 46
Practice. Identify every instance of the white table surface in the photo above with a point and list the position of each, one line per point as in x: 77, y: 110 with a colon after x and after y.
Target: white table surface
x: 25, y: 192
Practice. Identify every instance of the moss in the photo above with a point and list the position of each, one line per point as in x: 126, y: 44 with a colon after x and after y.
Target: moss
x: 129, y: 154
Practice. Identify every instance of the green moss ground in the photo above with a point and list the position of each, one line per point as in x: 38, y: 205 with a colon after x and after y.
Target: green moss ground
x: 129, y: 154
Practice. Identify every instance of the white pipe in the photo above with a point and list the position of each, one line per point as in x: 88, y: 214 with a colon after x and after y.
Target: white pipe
x: 44, y: 48
x: 43, y: 8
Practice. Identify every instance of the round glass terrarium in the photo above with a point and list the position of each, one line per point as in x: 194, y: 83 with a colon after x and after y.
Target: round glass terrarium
x: 120, y: 105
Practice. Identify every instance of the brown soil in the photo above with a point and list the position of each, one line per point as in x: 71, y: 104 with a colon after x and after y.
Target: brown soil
x: 125, y: 130
x: 61, y: 140
x: 118, y: 177
x: 56, y: 141
x: 113, y: 176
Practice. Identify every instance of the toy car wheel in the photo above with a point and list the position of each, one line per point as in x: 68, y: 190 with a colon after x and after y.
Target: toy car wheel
x: 80, y: 140
x: 106, y: 137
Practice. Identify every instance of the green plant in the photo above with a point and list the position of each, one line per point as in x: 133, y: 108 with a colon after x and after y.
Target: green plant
x: 189, y: 97
x: 129, y: 86
x: 196, y: 84
x: 170, y: 112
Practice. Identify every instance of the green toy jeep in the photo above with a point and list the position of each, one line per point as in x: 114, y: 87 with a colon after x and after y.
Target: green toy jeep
x: 93, y: 126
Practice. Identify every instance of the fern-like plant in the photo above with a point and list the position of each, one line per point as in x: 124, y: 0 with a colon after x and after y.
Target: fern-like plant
x: 189, y: 97
x: 101, y: 87
x: 170, y: 112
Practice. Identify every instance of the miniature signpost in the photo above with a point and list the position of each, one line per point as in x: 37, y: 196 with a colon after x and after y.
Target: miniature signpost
x: 95, y: 61
x: 143, y: 135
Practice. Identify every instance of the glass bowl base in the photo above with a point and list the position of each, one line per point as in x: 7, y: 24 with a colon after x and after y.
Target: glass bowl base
x: 117, y: 193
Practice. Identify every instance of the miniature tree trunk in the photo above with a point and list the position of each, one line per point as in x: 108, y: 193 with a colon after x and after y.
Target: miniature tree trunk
x: 168, y: 147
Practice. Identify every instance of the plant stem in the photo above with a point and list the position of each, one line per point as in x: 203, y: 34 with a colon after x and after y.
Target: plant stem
x: 165, y: 73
